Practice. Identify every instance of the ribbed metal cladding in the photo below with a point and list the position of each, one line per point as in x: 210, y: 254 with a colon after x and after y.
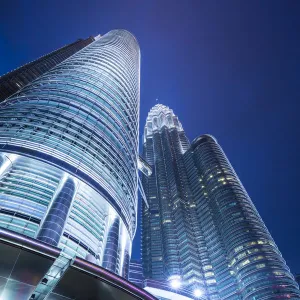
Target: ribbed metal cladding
x: 253, y: 258
x: 13, y: 81
x: 82, y: 117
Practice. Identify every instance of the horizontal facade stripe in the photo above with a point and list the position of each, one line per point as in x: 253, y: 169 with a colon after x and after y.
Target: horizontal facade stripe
x: 66, y: 167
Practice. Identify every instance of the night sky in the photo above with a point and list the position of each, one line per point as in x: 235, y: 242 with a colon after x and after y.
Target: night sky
x: 228, y: 68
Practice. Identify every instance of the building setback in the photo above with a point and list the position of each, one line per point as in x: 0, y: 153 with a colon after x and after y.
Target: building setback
x: 201, y: 228
x: 68, y: 159
x: 13, y: 81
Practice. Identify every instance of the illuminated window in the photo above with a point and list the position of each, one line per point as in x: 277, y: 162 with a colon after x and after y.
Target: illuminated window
x: 251, y: 243
x: 237, y: 249
x: 258, y: 257
x: 243, y: 254
x: 259, y: 266
x: 278, y: 273
x: 232, y: 262
x: 211, y: 281
x: 159, y: 258
x: 208, y: 274
x: 166, y: 221
x: 245, y: 262
x: 252, y: 250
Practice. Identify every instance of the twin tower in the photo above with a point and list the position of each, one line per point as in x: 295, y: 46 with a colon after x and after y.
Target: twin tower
x: 69, y: 131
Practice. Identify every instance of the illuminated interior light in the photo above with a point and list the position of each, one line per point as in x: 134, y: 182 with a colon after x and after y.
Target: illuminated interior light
x: 198, y: 293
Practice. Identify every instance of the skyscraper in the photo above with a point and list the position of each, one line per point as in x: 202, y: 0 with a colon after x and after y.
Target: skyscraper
x: 171, y: 247
x: 13, y: 81
x: 243, y: 250
x: 202, y: 229
x: 69, y: 151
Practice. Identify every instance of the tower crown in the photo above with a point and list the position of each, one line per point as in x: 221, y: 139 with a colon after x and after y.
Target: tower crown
x: 159, y: 116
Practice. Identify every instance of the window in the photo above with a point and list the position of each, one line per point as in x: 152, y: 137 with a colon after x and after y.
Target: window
x: 211, y: 281
x: 240, y: 256
x: 237, y: 249
x: 258, y: 257
x: 208, y: 274
x: 259, y: 266
x: 245, y: 262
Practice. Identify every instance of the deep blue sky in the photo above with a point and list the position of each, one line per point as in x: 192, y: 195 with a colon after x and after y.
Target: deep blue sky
x: 228, y: 68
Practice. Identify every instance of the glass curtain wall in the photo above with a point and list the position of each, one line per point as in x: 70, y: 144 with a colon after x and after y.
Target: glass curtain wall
x: 13, y: 81
x: 69, y: 149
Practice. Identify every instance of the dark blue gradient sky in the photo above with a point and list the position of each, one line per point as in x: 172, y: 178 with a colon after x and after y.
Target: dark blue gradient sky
x: 228, y: 68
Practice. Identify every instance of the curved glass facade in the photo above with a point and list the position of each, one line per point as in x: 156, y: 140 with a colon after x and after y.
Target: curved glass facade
x: 69, y: 150
x: 244, y: 258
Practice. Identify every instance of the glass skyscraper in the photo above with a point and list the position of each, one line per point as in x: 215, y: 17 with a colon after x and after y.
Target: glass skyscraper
x: 170, y: 242
x: 13, y: 81
x: 201, y: 231
x: 69, y: 152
